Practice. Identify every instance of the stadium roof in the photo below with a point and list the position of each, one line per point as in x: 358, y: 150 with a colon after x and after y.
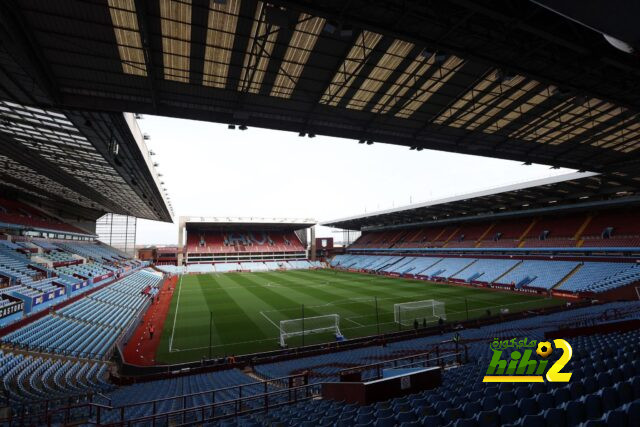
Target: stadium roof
x: 499, y: 78
x: 250, y: 222
x: 85, y: 164
x: 575, y: 191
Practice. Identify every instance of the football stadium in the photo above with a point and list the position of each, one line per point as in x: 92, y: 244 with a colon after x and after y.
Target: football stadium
x: 513, y: 305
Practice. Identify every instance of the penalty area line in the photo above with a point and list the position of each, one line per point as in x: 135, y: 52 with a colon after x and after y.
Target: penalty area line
x: 271, y: 321
x: 353, y: 321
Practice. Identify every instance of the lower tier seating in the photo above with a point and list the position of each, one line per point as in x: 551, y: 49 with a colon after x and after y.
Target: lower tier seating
x: 572, y: 276
x: 88, y: 328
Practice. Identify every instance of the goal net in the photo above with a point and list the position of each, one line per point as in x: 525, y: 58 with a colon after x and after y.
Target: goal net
x: 407, y: 312
x: 308, y: 325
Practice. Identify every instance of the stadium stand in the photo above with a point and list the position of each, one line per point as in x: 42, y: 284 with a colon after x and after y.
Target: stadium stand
x: 15, y: 212
x: 226, y: 267
x: 243, y: 241
x: 538, y: 274
x: 517, y: 272
x: 605, y: 384
x: 486, y: 270
x: 613, y: 228
x: 88, y: 328
x: 554, y: 231
x: 31, y: 378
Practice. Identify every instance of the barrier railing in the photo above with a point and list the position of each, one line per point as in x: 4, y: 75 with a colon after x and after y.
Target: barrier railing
x: 435, y: 357
x: 209, y: 405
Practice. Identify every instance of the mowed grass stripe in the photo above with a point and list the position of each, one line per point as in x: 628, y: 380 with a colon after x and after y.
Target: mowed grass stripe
x: 391, y: 294
x: 270, y: 296
x: 386, y: 291
x: 241, y: 296
x: 191, y: 310
x: 335, y: 298
x: 230, y: 323
x: 237, y: 299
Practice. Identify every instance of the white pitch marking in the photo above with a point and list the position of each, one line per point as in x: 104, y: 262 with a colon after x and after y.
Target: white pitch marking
x: 175, y: 316
x: 353, y: 321
x: 270, y: 321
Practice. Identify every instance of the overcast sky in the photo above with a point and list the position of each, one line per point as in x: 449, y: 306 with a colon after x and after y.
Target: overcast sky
x: 210, y: 170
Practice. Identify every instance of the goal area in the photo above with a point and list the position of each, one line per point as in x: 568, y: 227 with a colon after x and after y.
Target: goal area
x: 308, y: 325
x: 407, y: 312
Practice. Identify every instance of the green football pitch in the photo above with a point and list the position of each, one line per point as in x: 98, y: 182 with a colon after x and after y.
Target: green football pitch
x: 240, y: 313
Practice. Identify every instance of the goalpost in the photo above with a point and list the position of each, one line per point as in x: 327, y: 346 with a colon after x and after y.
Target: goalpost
x: 308, y: 325
x: 407, y: 312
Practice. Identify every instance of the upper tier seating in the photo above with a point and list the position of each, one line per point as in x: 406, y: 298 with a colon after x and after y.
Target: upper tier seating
x: 555, y: 231
x: 89, y: 327
x: 468, y: 235
x: 14, y: 212
x: 615, y: 228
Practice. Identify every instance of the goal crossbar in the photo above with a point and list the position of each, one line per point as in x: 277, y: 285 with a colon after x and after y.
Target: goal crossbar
x: 408, y: 312
x: 308, y: 325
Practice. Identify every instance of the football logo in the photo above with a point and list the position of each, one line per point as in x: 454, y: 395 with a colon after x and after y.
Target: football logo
x: 544, y: 349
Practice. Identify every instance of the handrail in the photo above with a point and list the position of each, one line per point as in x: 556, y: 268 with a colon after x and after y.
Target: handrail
x: 237, y: 402
x: 218, y: 390
x: 411, y: 360
x: 99, y: 409
x: 154, y: 402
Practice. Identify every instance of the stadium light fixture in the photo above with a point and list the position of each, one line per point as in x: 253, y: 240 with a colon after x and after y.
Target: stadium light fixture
x: 243, y: 127
x: 584, y: 197
x: 504, y: 76
x: 553, y: 201
x: 232, y: 127
x: 330, y: 27
x: 346, y: 31
x: 440, y: 58
x: 426, y: 53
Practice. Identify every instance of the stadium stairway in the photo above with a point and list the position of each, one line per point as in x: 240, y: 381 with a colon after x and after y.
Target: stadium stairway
x: 568, y: 276
x: 140, y: 349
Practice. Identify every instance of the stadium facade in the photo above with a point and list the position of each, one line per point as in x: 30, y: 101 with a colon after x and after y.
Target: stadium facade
x: 233, y: 241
